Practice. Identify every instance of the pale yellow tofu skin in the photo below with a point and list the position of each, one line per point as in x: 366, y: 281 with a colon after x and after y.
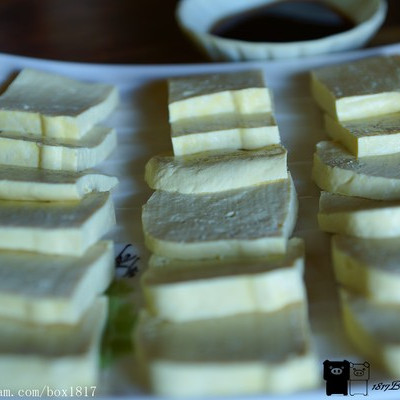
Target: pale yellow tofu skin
x: 359, y: 217
x: 368, y: 267
x: 244, y: 101
x: 184, y: 290
x: 374, y: 330
x: 43, y: 357
x: 22, y: 183
x: 337, y: 171
x: 216, y: 171
x: 63, y: 227
x: 43, y: 104
x: 253, y: 221
x: 242, y: 92
x: 374, y: 136
x: 232, y: 131
x: 246, y: 354
x: 358, y: 89
x: 65, y: 155
x: 65, y: 288
x: 237, y: 138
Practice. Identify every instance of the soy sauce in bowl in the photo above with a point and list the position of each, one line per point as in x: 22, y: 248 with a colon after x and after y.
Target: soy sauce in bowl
x: 284, y: 21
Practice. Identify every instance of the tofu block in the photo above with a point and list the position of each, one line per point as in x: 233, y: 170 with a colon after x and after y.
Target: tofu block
x: 67, y: 155
x: 242, y: 92
x: 22, y: 183
x: 369, y: 267
x: 63, y: 227
x: 65, y: 286
x: 254, y: 221
x: 374, y: 136
x: 358, y: 89
x: 239, y: 355
x: 359, y: 217
x: 227, y: 131
x: 217, y: 171
x: 184, y: 290
x: 336, y: 170
x: 374, y: 329
x: 44, y: 104
x: 42, y: 357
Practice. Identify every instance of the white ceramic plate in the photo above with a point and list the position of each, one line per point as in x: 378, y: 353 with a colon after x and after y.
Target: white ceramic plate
x: 141, y: 121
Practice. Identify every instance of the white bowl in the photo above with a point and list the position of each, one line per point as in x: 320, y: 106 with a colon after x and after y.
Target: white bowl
x: 197, y: 17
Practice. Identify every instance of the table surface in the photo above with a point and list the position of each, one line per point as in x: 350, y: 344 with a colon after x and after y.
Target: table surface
x: 114, y: 31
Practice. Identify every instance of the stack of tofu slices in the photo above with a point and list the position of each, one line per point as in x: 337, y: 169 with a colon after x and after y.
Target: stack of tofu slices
x: 226, y: 309
x: 359, y: 172
x: 53, y: 212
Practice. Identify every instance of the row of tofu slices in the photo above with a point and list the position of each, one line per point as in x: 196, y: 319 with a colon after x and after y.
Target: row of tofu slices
x: 225, y: 301
x: 358, y: 172
x: 54, y: 210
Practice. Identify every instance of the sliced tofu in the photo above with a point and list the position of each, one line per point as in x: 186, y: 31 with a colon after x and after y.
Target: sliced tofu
x: 52, y: 289
x: 63, y: 227
x: 358, y: 89
x: 238, y: 355
x: 67, y: 155
x: 217, y: 171
x: 44, y: 104
x: 253, y: 221
x: 43, y: 357
x: 336, y: 170
x: 358, y: 217
x: 242, y: 92
x: 368, y: 266
x: 373, y: 136
x: 232, y: 131
x: 22, y: 183
x: 374, y: 329
x: 178, y: 290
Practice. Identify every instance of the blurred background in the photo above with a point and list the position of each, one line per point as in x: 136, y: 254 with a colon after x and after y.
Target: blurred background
x: 114, y: 31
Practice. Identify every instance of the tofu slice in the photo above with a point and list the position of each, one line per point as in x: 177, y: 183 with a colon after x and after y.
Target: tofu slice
x: 44, y: 104
x: 369, y: 267
x: 374, y: 329
x: 217, y: 171
x: 22, y: 183
x: 374, y: 136
x: 64, y: 286
x: 254, y: 221
x: 67, y: 155
x: 242, y: 92
x: 358, y: 89
x: 336, y: 170
x: 237, y: 355
x: 178, y: 290
x: 232, y: 131
x: 358, y: 217
x: 63, y: 227
x: 38, y: 357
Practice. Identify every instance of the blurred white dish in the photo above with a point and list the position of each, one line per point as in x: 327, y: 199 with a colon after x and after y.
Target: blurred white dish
x: 197, y: 17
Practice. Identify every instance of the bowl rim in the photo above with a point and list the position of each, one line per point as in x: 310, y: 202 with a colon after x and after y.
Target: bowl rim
x: 374, y: 21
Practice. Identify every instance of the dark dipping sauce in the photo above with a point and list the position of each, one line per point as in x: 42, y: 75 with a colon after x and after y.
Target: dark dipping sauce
x: 284, y: 21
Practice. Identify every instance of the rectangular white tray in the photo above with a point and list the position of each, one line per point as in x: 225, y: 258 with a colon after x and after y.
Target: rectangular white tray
x: 141, y: 121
